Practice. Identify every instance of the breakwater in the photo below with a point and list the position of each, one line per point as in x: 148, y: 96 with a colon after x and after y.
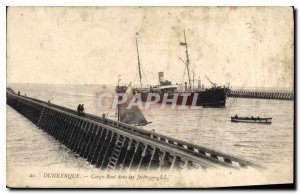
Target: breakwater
x: 261, y: 94
x: 113, y: 145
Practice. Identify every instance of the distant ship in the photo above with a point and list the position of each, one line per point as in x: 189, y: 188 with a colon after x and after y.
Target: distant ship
x: 208, y: 97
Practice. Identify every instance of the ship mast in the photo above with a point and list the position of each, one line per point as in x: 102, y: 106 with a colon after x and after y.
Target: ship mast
x: 193, y: 80
x: 139, y: 63
x: 187, y: 61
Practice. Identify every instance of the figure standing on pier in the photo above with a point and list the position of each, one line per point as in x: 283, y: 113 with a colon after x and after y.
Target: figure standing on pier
x: 78, y: 109
x: 82, y: 109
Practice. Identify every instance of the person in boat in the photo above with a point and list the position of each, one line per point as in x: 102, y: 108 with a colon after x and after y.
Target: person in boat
x: 258, y: 118
x: 236, y: 116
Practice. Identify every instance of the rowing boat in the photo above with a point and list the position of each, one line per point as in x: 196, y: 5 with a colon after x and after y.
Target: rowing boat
x: 251, y: 120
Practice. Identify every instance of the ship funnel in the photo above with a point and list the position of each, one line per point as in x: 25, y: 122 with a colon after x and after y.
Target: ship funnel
x: 162, y: 81
x: 161, y: 77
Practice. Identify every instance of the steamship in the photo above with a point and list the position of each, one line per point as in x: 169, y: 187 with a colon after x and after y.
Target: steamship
x: 187, y: 95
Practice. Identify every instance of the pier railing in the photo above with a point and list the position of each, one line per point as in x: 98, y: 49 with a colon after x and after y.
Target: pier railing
x: 261, y: 94
x: 114, y: 145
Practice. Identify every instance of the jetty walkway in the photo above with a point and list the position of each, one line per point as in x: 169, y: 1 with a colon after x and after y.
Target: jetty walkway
x: 112, y: 145
x: 261, y: 94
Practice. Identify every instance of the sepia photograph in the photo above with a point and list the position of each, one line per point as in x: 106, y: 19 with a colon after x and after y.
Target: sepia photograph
x: 150, y: 97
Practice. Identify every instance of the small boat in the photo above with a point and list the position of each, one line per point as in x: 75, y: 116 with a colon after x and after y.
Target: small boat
x: 237, y: 119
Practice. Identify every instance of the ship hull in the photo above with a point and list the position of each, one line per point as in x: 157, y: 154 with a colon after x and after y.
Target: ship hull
x: 209, y: 98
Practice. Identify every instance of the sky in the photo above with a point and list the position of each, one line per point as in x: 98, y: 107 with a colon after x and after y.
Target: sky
x: 245, y: 46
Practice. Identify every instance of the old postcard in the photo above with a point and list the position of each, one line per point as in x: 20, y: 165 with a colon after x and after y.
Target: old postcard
x: 149, y: 97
